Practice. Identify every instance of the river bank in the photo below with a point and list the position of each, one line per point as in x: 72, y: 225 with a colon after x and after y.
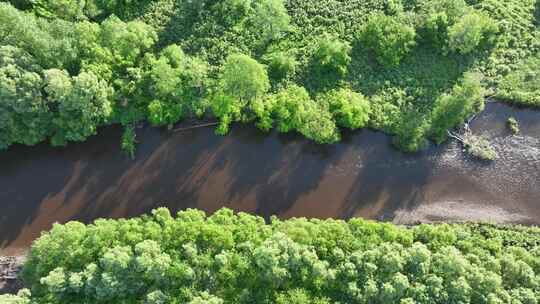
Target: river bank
x: 272, y: 174
x: 10, y: 267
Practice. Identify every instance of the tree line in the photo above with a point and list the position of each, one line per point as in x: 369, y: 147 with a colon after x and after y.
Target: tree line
x: 69, y: 67
x: 241, y: 258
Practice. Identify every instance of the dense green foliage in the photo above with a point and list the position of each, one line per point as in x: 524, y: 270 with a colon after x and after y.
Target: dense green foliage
x: 522, y: 86
x: 227, y: 258
x: 452, y: 109
x: 70, y: 66
x: 388, y: 38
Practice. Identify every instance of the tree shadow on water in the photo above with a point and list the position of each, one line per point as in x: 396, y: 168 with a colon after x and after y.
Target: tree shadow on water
x: 387, y: 182
x: 272, y: 172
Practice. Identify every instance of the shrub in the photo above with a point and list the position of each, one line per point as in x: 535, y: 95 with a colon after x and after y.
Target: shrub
x: 513, y: 125
x: 479, y: 147
x: 227, y: 109
x: 319, y: 125
x: 83, y: 103
x: 160, y: 113
x: 292, y: 109
x: 388, y: 38
x: 174, y: 85
x: 411, y: 131
x: 349, y: 109
x: 128, y: 141
x: 290, y: 106
x: 332, y: 56
x: 24, y: 113
x: 281, y: 65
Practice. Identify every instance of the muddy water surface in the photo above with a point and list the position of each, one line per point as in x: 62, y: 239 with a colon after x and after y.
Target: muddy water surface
x: 271, y: 174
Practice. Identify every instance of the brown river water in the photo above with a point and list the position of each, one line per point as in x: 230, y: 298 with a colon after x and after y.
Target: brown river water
x: 270, y: 174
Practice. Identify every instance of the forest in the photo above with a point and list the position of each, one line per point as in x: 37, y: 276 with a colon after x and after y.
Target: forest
x: 410, y: 68
x: 241, y: 258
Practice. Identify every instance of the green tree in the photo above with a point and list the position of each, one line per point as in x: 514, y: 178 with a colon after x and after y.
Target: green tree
x: 50, y: 42
x: 83, y: 103
x: 24, y: 112
x: 270, y: 19
x: 439, y: 16
x: 293, y: 109
x: 227, y: 109
x: 243, y: 78
x: 389, y: 38
x: 452, y: 109
x: 165, y: 86
x: 242, y: 81
x: 472, y: 31
x: 319, y: 125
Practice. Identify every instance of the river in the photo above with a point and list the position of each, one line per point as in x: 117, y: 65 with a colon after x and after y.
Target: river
x: 269, y: 174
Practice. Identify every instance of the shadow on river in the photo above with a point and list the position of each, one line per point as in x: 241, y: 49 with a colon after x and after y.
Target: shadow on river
x: 271, y: 174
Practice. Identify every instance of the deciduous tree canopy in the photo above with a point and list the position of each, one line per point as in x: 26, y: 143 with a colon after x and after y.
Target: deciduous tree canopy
x: 227, y: 258
x: 70, y: 66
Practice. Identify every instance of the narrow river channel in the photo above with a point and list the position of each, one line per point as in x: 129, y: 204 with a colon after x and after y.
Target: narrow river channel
x: 270, y: 174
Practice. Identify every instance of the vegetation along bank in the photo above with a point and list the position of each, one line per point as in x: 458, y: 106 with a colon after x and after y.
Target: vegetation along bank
x: 412, y: 68
x: 238, y: 258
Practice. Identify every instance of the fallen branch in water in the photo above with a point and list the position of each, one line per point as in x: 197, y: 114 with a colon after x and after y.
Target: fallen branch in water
x: 197, y: 126
x: 455, y: 136
x: 477, y: 146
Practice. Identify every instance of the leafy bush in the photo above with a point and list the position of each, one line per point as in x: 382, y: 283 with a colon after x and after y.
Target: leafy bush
x: 128, y: 141
x: 411, y: 131
x: 227, y: 108
x: 350, y: 109
x: 319, y: 125
x: 227, y: 258
x: 290, y: 106
x: 175, y: 84
x: 389, y: 38
x: 513, y: 125
x: 479, y: 147
x: 24, y: 113
x: 292, y: 109
x: 332, y: 56
x: 281, y: 65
